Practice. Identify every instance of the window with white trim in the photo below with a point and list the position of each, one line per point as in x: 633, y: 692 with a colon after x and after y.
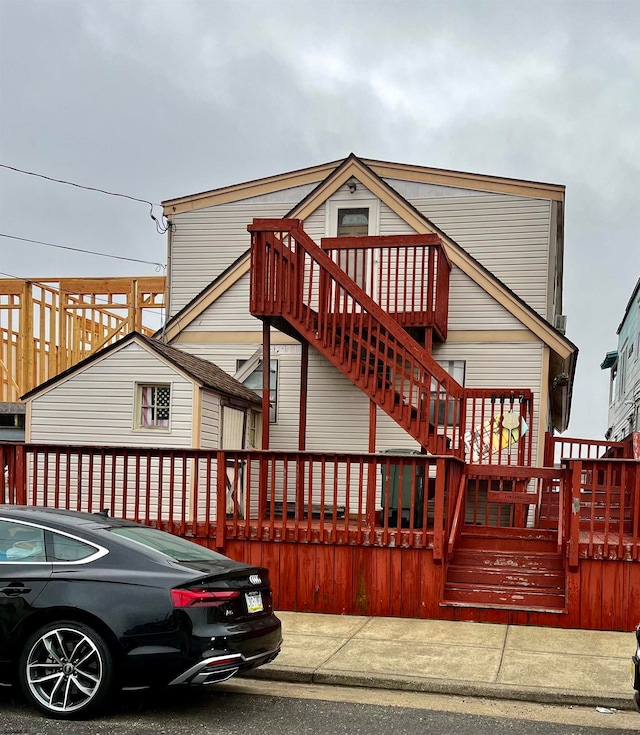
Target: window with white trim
x: 153, y: 406
x: 622, y: 370
x: 355, y: 219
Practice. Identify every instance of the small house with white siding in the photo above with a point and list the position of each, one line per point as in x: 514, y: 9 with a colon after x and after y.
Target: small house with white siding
x: 144, y: 393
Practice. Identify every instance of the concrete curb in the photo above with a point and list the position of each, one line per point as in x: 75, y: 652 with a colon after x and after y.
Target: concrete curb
x: 564, y: 697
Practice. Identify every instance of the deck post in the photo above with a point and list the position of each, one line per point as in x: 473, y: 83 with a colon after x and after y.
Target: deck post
x: 438, y: 511
x: 266, y: 381
x: 221, y: 499
x: 574, y: 516
x: 20, y: 476
x: 304, y: 382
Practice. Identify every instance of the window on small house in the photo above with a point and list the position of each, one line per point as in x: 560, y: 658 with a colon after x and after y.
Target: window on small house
x: 154, y: 406
x: 254, y: 381
x: 254, y: 429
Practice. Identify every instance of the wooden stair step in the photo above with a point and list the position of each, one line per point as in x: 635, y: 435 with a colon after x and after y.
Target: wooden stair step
x: 529, y: 578
x: 475, y: 595
x: 525, y: 560
x: 509, y: 545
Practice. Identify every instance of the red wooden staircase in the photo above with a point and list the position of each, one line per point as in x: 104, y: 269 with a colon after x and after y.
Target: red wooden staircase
x: 304, y: 293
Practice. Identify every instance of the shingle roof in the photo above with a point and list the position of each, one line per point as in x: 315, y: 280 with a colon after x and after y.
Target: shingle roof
x: 201, y: 371
x: 204, y: 372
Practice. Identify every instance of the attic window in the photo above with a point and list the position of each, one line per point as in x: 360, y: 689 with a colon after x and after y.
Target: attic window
x: 353, y: 222
x: 154, y: 406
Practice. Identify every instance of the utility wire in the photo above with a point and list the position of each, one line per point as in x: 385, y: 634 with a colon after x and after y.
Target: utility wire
x: 80, y: 250
x: 161, y: 227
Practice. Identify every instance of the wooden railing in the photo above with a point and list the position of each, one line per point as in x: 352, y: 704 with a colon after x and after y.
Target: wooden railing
x: 560, y: 448
x: 369, y: 499
x: 48, y: 326
x: 408, y: 500
x: 499, y: 426
x: 407, y: 275
x: 604, y: 508
x: 292, y: 278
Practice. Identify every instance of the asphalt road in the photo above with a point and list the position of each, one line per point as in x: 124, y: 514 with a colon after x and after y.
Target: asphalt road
x: 261, y: 708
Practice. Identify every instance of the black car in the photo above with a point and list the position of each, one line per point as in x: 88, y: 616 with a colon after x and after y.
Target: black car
x: 90, y: 603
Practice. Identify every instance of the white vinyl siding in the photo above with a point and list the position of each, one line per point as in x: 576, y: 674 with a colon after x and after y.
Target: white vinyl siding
x: 210, y: 420
x: 509, y: 235
x: 96, y: 405
x: 204, y: 242
x: 471, y: 307
x: 337, y: 411
x: 229, y: 313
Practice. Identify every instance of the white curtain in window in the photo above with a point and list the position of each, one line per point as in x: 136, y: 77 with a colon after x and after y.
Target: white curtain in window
x: 146, y: 413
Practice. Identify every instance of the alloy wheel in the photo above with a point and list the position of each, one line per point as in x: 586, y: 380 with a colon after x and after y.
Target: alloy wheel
x: 64, y: 670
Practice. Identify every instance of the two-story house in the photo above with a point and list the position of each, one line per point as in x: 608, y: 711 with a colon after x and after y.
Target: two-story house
x: 404, y: 328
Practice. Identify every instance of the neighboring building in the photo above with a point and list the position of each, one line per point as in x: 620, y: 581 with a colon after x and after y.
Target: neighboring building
x: 140, y: 392
x: 624, y: 364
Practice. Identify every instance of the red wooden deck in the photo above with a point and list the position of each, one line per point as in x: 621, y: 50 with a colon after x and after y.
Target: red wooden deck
x: 322, y: 524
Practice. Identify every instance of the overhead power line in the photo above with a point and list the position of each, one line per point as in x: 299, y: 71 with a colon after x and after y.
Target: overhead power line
x: 161, y: 227
x: 81, y: 250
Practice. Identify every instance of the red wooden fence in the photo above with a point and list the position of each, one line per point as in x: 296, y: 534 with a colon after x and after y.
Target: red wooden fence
x: 413, y: 501
x: 303, y: 497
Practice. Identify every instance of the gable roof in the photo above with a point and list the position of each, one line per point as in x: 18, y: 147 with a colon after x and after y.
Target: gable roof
x: 409, y: 172
x: 202, y: 372
x: 628, y: 306
x: 354, y: 166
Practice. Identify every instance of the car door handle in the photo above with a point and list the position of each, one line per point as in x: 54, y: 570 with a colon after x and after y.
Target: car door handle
x: 13, y: 590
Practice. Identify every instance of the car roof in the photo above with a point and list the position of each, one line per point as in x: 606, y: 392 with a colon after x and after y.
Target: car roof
x: 64, y: 517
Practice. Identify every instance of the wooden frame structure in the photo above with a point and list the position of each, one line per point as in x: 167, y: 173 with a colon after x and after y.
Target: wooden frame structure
x: 48, y: 325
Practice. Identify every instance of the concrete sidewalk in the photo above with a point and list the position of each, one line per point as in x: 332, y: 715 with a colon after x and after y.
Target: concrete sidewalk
x: 545, y: 665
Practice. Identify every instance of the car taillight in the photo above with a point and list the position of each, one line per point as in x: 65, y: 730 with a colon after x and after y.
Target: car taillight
x: 202, y: 598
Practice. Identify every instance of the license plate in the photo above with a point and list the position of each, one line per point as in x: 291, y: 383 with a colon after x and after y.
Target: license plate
x: 254, y: 602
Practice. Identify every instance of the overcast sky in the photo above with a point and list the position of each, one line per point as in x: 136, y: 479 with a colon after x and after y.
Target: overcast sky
x: 167, y: 98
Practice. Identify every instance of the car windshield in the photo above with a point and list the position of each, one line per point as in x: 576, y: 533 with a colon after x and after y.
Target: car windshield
x: 176, y: 548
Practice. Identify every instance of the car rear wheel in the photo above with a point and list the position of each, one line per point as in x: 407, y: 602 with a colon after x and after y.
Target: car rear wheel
x: 66, y: 670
